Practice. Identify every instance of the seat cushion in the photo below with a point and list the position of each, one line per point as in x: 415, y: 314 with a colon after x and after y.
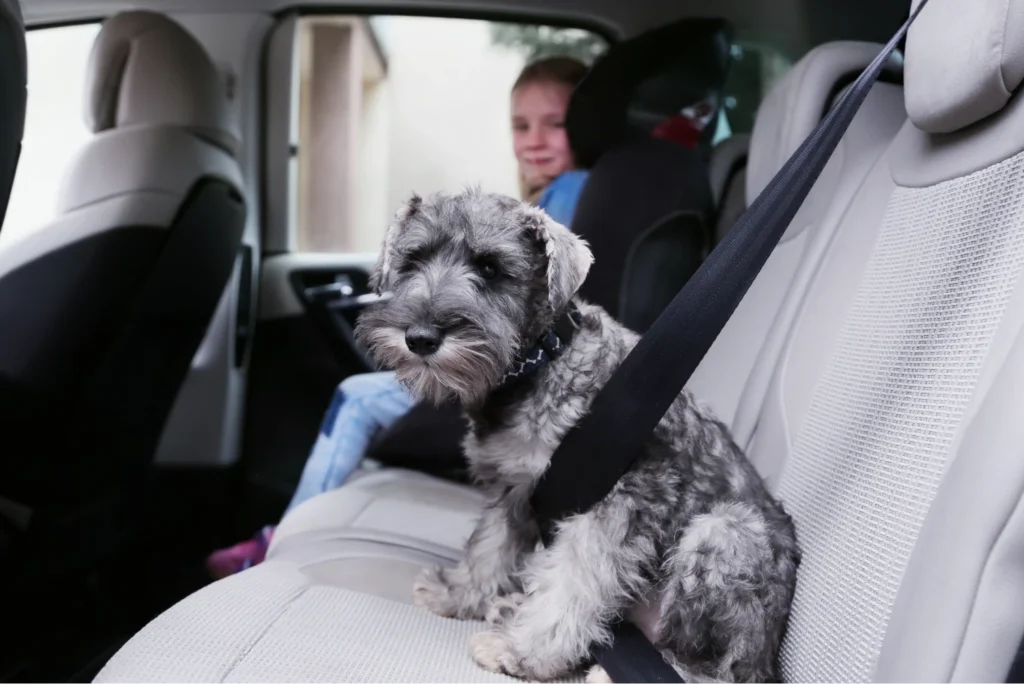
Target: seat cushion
x: 279, y: 623
x: 377, y: 532
x: 392, y: 506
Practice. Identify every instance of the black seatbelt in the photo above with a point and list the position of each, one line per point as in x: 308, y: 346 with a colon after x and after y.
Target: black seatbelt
x: 628, y: 408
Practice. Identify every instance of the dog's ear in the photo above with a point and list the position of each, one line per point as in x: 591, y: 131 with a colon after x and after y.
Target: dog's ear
x: 569, y: 256
x: 380, y: 276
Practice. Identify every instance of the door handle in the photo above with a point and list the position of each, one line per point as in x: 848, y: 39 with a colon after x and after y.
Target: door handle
x: 357, y: 301
x: 341, y: 287
x: 340, y: 295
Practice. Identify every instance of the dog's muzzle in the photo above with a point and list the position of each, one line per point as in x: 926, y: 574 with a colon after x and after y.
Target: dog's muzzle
x: 424, y: 340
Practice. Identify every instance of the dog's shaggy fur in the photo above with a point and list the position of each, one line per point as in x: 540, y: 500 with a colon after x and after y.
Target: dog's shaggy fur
x: 689, y: 544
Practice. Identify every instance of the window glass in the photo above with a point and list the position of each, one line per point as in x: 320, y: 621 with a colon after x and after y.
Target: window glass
x: 384, y: 106
x: 391, y: 105
x: 55, y: 127
x: 754, y: 70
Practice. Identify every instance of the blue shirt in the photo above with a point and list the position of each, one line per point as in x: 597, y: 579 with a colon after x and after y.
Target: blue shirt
x: 560, y: 197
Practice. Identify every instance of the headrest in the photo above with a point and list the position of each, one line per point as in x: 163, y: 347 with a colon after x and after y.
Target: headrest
x: 964, y: 60
x: 145, y: 69
x: 657, y: 73
x: 801, y: 98
x: 13, y: 74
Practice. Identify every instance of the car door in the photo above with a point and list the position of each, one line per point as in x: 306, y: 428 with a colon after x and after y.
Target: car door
x: 309, y: 305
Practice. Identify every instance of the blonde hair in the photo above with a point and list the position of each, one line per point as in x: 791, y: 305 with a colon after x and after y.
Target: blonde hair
x: 560, y: 70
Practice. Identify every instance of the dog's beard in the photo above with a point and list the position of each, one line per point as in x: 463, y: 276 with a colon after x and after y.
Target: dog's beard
x: 464, y: 367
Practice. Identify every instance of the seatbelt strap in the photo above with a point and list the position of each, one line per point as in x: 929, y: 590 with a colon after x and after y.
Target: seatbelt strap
x: 606, y: 442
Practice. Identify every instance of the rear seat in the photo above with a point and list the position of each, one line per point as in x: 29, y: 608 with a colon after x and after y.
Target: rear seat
x: 786, y: 116
x: 373, y: 535
x: 889, y: 425
x: 398, y: 508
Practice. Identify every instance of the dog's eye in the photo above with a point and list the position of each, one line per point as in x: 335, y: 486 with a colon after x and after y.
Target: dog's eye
x: 487, y: 268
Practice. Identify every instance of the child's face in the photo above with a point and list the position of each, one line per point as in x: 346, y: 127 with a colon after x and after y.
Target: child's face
x: 538, y: 129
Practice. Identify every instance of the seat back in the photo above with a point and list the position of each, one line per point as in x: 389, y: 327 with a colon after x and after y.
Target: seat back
x: 891, y: 429
x: 641, y: 199
x: 111, y: 300
x: 734, y: 374
x: 645, y: 197
x: 13, y: 76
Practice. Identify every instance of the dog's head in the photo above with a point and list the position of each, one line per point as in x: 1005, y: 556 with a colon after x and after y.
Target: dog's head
x: 471, y: 278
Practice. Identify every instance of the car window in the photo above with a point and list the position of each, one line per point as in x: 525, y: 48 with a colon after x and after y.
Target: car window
x: 754, y: 69
x: 55, y: 128
x: 404, y: 104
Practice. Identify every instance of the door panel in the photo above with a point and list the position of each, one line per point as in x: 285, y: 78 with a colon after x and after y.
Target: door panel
x: 303, y: 348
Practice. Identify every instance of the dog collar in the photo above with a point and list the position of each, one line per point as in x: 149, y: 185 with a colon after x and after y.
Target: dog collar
x: 548, y: 348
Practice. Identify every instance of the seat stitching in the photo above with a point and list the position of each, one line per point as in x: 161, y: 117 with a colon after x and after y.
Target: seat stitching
x: 263, y: 633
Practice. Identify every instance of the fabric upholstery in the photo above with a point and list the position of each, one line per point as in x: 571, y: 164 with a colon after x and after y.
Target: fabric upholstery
x: 908, y: 375
x: 276, y: 623
x: 734, y: 374
x: 799, y: 100
x: 964, y: 60
x: 390, y: 501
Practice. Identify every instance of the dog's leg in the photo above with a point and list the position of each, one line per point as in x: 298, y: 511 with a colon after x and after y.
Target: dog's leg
x: 573, y: 590
x: 725, y: 599
x: 493, y: 553
x: 597, y: 675
x: 503, y: 608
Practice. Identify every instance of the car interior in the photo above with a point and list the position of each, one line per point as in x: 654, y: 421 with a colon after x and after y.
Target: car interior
x: 196, y: 192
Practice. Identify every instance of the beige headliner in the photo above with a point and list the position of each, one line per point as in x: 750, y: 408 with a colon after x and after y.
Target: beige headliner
x: 793, y: 25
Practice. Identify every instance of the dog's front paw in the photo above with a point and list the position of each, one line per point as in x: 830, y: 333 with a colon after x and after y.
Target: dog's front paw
x: 491, y: 651
x: 431, y: 592
x: 598, y: 675
x: 503, y: 608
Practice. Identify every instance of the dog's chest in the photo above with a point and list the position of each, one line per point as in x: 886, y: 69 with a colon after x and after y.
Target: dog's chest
x: 520, y: 445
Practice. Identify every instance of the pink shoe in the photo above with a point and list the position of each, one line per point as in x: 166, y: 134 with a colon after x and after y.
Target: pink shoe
x: 241, y: 556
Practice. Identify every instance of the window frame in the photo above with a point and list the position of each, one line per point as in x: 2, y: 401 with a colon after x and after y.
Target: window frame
x: 279, y: 75
x: 26, y: 231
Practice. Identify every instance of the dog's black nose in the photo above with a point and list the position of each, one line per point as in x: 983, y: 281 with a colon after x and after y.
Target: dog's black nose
x: 423, y: 340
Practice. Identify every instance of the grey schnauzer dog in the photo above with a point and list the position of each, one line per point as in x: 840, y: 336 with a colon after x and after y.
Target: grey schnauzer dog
x: 689, y: 544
